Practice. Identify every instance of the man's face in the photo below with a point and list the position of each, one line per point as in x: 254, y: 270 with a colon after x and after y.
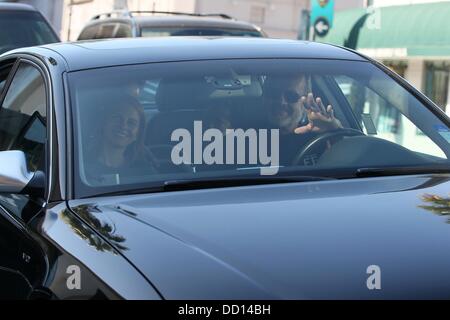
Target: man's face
x: 284, y: 104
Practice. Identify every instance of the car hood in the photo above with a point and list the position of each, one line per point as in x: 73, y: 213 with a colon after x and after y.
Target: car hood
x: 290, y: 241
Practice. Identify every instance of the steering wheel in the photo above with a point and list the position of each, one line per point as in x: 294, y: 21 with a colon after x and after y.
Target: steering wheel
x: 161, y: 154
x: 317, y: 142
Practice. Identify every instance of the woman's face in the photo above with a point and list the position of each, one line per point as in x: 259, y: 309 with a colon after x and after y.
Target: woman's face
x: 121, y: 127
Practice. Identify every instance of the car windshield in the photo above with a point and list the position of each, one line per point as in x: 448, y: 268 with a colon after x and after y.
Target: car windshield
x: 142, y: 126
x: 24, y: 29
x: 193, y: 31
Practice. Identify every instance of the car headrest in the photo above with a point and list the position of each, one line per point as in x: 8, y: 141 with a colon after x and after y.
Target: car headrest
x: 182, y: 94
x: 162, y: 125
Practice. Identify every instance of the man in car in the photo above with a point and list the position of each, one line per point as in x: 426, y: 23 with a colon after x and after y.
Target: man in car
x: 293, y: 109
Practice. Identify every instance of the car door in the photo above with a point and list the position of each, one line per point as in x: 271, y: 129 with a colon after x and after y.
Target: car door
x: 23, y: 126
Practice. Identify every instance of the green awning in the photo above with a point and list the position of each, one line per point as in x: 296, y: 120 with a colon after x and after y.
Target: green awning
x: 409, y: 30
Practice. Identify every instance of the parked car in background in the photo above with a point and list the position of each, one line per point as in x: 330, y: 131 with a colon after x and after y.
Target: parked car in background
x: 22, y: 25
x: 127, y: 24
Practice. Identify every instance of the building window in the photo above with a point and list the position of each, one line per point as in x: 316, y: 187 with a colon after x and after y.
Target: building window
x: 437, y: 82
x: 399, y: 67
x: 257, y: 14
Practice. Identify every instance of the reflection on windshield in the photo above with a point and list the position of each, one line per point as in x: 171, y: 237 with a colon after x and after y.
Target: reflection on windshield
x: 206, y: 119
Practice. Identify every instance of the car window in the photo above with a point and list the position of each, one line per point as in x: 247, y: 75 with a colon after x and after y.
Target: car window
x: 29, y: 29
x: 106, y: 31
x: 228, y: 118
x: 192, y: 31
x: 123, y: 31
x: 380, y: 118
x: 23, y: 116
x: 2, y: 84
x: 89, y: 32
x: 4, y: 73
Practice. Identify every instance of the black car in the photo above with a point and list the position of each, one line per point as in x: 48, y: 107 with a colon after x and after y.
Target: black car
x: 23, y: 26
x: 127, y: 24
x: 129, y: 169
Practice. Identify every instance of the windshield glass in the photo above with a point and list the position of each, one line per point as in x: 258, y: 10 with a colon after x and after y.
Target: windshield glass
x: 23, y: 29
x: 144, y: 125
x: 193, y: 31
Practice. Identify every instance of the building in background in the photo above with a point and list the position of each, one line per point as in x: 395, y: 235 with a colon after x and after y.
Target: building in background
x: 278, y: 18
x: 409, y: 36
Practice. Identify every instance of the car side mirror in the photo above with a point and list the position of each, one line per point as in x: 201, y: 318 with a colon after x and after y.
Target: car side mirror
x: 15, y: 178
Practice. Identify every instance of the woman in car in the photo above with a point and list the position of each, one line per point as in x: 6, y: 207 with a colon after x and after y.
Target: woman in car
x: 117, y: 151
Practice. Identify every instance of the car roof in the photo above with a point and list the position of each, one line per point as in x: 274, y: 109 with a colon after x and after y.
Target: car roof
x: 16, y: 7
x: 187, y: 21
x: 112, y: 52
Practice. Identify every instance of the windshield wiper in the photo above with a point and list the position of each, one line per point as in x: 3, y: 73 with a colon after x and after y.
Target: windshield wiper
x: 210, y: 183
x: 395, y: 171
x: 178, y: 185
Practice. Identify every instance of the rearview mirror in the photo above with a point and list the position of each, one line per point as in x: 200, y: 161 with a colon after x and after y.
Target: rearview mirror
x: 14, y: 174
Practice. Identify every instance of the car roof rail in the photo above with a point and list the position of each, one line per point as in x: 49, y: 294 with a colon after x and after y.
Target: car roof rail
x: 220, y: 15
x: 112, y: 14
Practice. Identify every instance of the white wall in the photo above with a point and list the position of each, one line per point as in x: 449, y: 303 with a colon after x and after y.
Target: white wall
x: 281, y: 18
x: 348, y: 4
x: 76, y: 16
x: 414, y: 73
x: 162, y: 5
